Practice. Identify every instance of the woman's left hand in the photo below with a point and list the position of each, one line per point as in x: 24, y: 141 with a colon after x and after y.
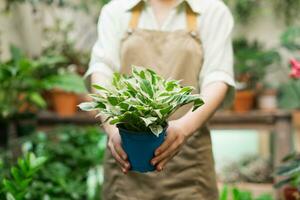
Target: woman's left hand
x: 175, y: 139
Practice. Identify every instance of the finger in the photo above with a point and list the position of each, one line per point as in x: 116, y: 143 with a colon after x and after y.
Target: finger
x: 124, y: 170
x: 161, y: 165
x: 123, y: 163
x: 169, y: 140
x: 121, y: 152
x: 173, y: 148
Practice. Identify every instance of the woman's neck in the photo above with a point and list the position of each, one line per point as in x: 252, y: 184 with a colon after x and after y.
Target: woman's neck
x: 161, y: 9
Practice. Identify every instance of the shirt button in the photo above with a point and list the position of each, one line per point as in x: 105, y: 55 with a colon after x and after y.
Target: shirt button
x: 193, y: 33
x: 129, y: 31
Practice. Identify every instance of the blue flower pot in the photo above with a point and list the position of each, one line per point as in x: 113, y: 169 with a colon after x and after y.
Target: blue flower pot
x: 140, y: 148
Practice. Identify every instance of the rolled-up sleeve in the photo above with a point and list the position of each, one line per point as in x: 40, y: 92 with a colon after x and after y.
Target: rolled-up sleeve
x: 105, y: 53
x: 218, y: 52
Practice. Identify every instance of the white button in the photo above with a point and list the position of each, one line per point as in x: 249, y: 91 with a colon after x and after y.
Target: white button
x: 193, y: 33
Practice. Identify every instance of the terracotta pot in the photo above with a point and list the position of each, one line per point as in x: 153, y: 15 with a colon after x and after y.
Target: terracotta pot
x: 244, y: 101
x: 296, y: 118
x: 47, y: 95
x: 267, y: 100
x: 64, y: 103
x: 291, y: 193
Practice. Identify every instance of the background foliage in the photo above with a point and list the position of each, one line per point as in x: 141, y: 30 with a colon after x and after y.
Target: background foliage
x: 73, y: 168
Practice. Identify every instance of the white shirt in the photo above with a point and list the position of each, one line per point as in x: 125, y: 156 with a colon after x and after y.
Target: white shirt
x: 215, y: 24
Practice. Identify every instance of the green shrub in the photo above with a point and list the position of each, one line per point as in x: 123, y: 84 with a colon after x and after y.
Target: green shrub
x: 237, y: 194
x: 74, y: 163
x: 21, y: 177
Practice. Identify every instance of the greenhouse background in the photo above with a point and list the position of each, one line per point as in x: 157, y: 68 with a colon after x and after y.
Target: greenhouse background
x: 44, y: 52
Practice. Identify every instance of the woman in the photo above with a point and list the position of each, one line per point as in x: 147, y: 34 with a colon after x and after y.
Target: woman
x: 188, y: 40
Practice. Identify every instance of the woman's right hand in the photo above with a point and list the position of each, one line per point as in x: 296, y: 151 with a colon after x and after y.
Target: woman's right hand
x: 114, y: 145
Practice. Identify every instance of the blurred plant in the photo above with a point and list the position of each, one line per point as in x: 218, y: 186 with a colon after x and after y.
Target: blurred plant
x: 289, y: 171
x: 289, y: 9
x: 251, y: 168
x: 24, y: 79
x: 73, y: 169
x: 242, y: 9
x: 18, y: 85
x: 237, y: 194
x: 81, y: 4
x: 59, y: 42
x: 21, y: 177
x: 252, y: 62
x: 289, y: 96
x: 290, y: 39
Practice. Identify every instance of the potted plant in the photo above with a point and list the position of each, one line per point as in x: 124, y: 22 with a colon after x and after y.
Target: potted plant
x: 140, y: 105
x: 267, y: 98
x: 20, y: 90
x: 66, y: 75
x: 289, y: 171
x: 251, y: 64
x: 64, y: 89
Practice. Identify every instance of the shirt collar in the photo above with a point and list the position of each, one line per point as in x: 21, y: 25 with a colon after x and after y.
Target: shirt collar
x: 194, y: 4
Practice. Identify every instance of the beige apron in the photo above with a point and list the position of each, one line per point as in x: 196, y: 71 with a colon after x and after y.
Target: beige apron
x: 190, y: 174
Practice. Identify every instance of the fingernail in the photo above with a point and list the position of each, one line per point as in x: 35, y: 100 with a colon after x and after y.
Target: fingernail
x: 159, y: 169
x: 124, y: 157
x: 157, y: 152
x: 153, y: 162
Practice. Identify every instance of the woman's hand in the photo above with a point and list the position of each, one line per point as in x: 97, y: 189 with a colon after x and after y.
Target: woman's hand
x: 114, y: 145
x: 175, y: 139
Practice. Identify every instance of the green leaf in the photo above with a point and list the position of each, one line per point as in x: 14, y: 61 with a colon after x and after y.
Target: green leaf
x: 224, y: 193
x: 149, y: 120
x: 67, y: 82
x: 9, y: 186
x: 288, y: 95
x: 113, y: 100
x: 89, y: 106
x: 197, y: 103
x: 9, y: 196
x: 98, y: 87
x: 156, y: 129
x: 37, y: 162
x: 15, y: 174
x: 37, y: 99
x: 145, y: 86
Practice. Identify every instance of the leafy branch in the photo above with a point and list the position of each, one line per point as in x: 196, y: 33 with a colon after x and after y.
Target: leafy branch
x: 22, y: 175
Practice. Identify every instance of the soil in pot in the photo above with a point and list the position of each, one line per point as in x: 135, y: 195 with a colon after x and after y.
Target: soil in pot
x: 64, y: 103
x: 140, y: 148
x: 244, y: 101
x: 4, y: 126
x: 291, y: 193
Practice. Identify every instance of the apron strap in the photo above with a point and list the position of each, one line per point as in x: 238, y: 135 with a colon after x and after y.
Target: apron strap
x: 135, y: 16
x: 191, y: 17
